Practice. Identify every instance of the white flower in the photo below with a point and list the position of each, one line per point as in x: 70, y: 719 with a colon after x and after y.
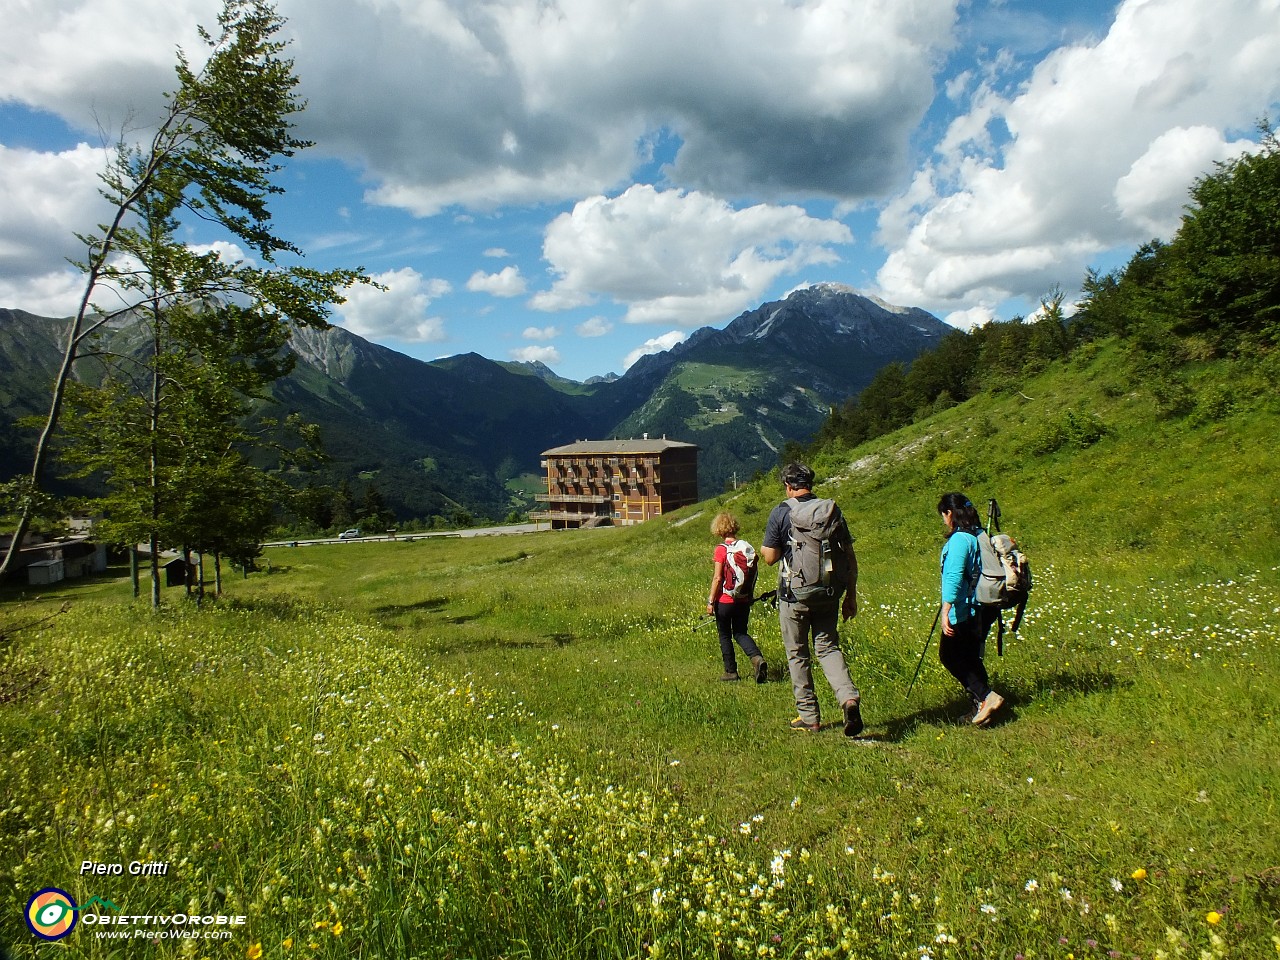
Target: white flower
x: 1032, y: 886
x: 1116, y: 885
x: 988, y: 908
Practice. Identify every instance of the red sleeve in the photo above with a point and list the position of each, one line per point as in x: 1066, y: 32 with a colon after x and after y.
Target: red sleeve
x: 720, y: 555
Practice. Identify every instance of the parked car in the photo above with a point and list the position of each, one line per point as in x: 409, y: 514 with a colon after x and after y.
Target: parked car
x: 352, y: 534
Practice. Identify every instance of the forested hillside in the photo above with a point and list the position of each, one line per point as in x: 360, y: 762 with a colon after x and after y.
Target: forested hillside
x: 1212, y: 292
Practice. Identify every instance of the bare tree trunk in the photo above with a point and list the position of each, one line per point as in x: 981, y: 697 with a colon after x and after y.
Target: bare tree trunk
x: 155, y: 571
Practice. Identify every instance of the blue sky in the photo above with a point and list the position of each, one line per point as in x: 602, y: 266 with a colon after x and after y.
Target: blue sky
x: 582, y: 181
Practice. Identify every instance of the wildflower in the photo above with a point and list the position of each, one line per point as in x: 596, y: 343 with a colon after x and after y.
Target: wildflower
x: 254, y: 952
x: 1139, y: 874
x: 988, y: 909
x: 1116, y: 885
x: 1213, y: 917
x: 288, y: 943
x: 1032, y: 885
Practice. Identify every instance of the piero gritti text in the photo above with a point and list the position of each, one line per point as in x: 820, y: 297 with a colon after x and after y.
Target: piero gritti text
x: 137, y: 868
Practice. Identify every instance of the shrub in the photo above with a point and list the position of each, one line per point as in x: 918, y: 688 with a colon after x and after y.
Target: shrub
x: 1073, y: 428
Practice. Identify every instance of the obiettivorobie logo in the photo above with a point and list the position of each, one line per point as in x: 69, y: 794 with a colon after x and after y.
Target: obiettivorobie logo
x: 52, y: 913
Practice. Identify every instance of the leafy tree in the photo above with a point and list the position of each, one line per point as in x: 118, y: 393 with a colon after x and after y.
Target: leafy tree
x: 373, y: 509
x: 314, y: 506
x: 1048, y: 339
x: 212, y: 156
x: 343, y: 505
x: 947, y: 369
x: 1224, y: 269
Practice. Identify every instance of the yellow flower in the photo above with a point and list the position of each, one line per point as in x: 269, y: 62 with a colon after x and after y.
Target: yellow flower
x: 1214, y: 917
x: 337, y: 929
x: 254, y: 952
x: 288, y: 943
x: 1139, y: 874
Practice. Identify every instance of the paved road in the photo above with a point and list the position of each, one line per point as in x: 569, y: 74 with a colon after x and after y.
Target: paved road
x: 410, y: 537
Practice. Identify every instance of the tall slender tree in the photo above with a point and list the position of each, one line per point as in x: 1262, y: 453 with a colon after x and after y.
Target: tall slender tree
x: 224, y: 132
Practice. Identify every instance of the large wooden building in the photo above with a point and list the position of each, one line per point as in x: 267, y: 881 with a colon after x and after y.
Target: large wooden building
x: 621, y: 482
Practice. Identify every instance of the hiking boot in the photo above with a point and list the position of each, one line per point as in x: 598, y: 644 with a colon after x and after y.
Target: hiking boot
x: 852, y: 718
x: 800, y: 724
x: 729, y: 675
x: 760, y: 668
x: 990, y: 705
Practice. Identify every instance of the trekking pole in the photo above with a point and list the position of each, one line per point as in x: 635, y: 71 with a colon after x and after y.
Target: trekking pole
x: 770, y: 598
x: 936, y: 617
x: 703, y: 621
x: 993, y: 525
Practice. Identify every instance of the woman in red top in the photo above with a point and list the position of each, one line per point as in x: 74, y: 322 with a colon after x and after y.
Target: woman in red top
x: 732, y: 613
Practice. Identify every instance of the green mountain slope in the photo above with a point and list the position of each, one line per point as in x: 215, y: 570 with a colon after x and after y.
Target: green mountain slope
x: 1188, y: 496
x: 464, y: 434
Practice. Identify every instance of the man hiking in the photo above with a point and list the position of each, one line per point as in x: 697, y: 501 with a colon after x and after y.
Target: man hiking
x: 817, y: 584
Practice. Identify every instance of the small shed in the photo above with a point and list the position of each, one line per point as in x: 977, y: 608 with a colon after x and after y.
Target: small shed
x: 45, y: 571
x: 175, y: 572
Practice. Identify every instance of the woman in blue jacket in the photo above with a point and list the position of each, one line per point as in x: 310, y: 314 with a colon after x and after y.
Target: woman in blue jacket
x: 964, y: 625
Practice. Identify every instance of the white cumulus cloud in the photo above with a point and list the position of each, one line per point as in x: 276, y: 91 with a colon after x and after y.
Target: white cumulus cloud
x: 1094, y: 151
x: 522, y: 102
x: 47, y: 198
x: 677, y: 257
x: 594, y: 327
x: 654, y: 345
x: 541, y: 333
x: 548, y: 355
x: 399, y: 312
x: 507, y: 282
x: 1153, y: 193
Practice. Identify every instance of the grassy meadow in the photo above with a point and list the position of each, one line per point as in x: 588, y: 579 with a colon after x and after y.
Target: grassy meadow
x: 518, y: 746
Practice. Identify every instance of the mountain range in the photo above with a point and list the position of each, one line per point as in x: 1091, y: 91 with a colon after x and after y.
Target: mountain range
x: 465, y: 433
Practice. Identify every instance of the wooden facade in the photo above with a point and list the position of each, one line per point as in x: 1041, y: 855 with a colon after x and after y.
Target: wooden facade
x: 618, y: 482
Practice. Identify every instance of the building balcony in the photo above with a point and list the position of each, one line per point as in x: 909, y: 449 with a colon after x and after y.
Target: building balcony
x: 571, y: 498
x: 566, y: 515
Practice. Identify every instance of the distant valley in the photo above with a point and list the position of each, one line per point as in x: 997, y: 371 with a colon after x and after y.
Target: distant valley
x: 465, y: 433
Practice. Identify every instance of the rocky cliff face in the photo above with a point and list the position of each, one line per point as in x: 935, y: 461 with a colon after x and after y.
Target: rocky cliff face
x: 828, y: 328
